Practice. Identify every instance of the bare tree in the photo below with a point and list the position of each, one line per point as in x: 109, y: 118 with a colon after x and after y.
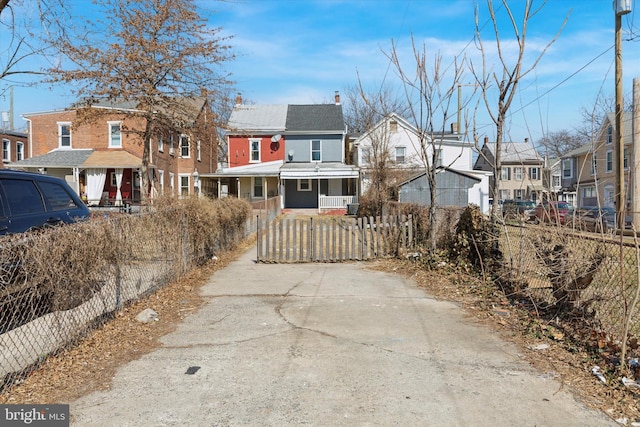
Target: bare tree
x: 159, y: 55
x: 430, y: 94
x: 558, y: 143
x: 506, y: 78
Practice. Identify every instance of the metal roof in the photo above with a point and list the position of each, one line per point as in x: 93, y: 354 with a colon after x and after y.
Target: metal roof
x: 258, y: 118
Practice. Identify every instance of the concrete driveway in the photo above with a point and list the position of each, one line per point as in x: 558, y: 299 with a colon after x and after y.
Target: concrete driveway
x: 329, y: 344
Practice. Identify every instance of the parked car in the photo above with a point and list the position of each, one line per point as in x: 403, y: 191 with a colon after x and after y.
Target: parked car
x: 31, y: 201
x: 596, y: 219
x: 551, y: 212
x: 517, y: 208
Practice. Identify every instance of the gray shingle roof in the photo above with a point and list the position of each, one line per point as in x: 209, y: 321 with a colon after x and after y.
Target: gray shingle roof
x: 315, y: 117
x: 56, y: 158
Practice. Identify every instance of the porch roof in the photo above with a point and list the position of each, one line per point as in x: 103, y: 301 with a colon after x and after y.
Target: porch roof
x: 318, y: 170
x: 112, y: 159
x: 55, y: 159
x: 257, y: 169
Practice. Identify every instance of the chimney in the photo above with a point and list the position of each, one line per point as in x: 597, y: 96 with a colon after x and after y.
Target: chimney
x: 486, y: 139
x: 526, y: 140
x: 454, y: 127
x: 337, y: 98
x: 239, y: 99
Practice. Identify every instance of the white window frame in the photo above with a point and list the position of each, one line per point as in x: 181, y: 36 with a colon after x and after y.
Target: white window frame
x: 181, y: 176
x: 588, y: 192
x: 534, y: 173
x: 61, y: 126
x: 184, y: 148
x: 110, y: 126
x: 171, y: 149
x: 160, y: 144
x: 505, y: 173
x: 319, y: 150
x: 518, y: 173
x: 401, y: 158
x: 609, y: 135
x: 253, y: 151
x: 172, y: 184
x: 19, y: 151
x: 160, y: 181
x: 307, y: 187
x: 199, y: 151
x: 625, y: 158
x: 6, y: 151
x: 570, y: 169
x: 608, y: 161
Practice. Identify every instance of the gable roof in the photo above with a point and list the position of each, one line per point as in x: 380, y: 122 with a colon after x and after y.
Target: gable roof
x: 315, y: 117
x: 258, y: 118
x: 514, y: 152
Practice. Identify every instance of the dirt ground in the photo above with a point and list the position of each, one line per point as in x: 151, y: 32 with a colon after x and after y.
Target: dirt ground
x: 91, y: 364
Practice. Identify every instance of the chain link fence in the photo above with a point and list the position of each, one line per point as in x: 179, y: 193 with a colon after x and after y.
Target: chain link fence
x: 57, y: 284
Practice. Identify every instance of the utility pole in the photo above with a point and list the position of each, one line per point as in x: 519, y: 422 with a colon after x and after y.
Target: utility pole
x: 622, y: 7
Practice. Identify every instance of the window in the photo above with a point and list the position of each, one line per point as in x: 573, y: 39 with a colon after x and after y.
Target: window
x: 609, y: 164
x: 556, y: 181
x: 518, y: 194
x: 199, y: 152
x: 257, y: 186
x: 626, y: 158
x: 567, y: 168
x: 610, y: 135
x: 19, y: 151
x: 589, y: 192
x: 172, y: 178
x: 505, y: 173
x: 160, y: 144
x: 505, y: 194
x: 518, y: 174
x: 439, y: 157
x: 393, y: 126
x: 254, y: 147
x: 6, y: 150
x: 161, y: 181
x: 534, y: 174
x: 64, y: 135
x: 184, y: 185
x: 400, y: 154
x: 114, y: 181
x: 184, y: 146
x: 171, y: 145
x: 115, y: 136
x: 316, y: 151
x: 304, y: 185
x: 594, y: 165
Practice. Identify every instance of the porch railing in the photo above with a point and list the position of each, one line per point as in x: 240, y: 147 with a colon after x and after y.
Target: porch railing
x: 336, y: 202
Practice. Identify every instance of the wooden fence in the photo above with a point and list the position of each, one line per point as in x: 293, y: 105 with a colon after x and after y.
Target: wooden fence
x: 319, y: 239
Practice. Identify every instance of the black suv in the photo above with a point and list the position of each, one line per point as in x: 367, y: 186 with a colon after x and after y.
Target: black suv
x: 31, y: 201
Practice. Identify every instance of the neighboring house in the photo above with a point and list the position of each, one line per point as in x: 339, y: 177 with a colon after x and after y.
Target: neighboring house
x: 295, y: 151
x: 589, y: 172
x: 521, y: 171
x: 101, y: 158
x: 552, y: 179
x: 394, y: 141
x: 13, y: 146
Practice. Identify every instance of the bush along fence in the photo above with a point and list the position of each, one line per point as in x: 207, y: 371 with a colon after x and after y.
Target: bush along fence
x: 57, y: 284
x: 584, y: 283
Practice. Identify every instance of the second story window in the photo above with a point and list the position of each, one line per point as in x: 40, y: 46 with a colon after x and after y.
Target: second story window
x: 610, y: 135
x: 199, y: 151
x: 184, y: 146
x: 64, y: 135
x: 19, y: 151
x: 171, y: 145
x: 518, y: 174
x: 316, y: 150
x: 567, y: 168
x: 609, y: 167
x: 505, y: 173
x: 160, y: 144
x: 115, y: 136
x: 254, y: 148
x: 6, y: 150
x: 534, y: 174
x: 626, y: 158
x: 400, y: 154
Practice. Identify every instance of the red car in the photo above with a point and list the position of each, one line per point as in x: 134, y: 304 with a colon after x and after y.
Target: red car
x: 553, y: 212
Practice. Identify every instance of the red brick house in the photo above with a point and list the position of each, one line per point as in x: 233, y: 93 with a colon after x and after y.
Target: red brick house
x: 102, y: 158
x: 13, y: 146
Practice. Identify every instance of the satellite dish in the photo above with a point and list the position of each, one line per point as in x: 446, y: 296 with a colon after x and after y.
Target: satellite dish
x: 290, y: 153
x: 276, y: 137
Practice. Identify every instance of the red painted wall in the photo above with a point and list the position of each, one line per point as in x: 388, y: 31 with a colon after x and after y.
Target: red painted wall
x: 240, y: 150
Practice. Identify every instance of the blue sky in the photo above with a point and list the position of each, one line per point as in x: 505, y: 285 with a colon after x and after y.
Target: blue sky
x: 301, y: 51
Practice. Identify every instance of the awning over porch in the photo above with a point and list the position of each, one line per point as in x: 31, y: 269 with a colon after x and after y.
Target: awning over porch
x: 112, y: 159
x: 537, y: 187
x: 55, y: 159
x: 318, y: 171
x: 257, y: 169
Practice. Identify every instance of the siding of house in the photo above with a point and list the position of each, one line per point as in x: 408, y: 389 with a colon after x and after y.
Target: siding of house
x: 452, y: 189
x: 239, y: 149
x: 300, y: 145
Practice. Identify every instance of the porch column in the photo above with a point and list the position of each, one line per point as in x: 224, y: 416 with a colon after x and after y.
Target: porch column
x: 219, y: 188
x: 266, y: 187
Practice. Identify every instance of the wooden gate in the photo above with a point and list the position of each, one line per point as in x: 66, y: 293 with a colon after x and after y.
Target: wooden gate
x: 319, y: 239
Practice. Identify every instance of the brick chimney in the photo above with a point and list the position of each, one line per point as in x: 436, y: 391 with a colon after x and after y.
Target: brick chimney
x: 239, y: 99
x: 486, y: 139
x: 337, y: 98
